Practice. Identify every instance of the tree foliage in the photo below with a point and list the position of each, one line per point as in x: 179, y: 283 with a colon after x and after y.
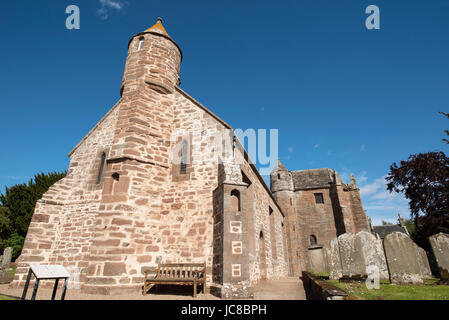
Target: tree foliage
x: 17, y: 207
x: 424, y: 180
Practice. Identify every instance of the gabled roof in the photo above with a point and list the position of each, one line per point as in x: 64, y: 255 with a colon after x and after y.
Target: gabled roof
x: 312, y: 179
x: 383, y: 231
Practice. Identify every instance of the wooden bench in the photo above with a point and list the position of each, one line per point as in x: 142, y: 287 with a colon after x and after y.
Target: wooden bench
x: 176, y: 274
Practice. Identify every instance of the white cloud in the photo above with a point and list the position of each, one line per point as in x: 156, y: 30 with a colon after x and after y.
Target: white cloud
x: 362, y: 177
x: 362, y: 147
x: 372, y: 187
x: 316, y: 146
x: 291, y: 149
x: 380, y: 204
x: 107, y: 5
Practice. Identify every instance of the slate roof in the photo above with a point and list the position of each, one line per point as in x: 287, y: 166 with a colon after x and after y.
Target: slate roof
x: 383, y: 231
x: 312, y: 179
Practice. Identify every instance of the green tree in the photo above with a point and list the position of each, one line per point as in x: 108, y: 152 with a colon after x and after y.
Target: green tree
x: 17, y: 207
x: 5, y: 226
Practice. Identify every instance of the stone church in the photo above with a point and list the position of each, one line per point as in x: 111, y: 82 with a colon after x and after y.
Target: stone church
x: 143, y: 188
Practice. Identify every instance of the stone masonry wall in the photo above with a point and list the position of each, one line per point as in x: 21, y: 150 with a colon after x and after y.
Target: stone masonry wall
x: 144, y: 211
x: 314, y: 219
x: 62, y: 225
x: 276, y: 259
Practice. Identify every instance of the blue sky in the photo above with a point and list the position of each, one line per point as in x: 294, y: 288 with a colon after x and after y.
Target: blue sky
x: 341, y: 96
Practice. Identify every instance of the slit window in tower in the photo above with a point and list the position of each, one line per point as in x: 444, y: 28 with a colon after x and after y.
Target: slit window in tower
x: 185, y: 146
x: 100, y: 171
x: 141, y: 41
x: 319, y: 198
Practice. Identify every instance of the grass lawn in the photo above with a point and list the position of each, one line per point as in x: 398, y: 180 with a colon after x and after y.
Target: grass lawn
x: 427, y: 291
x: 6, y: 298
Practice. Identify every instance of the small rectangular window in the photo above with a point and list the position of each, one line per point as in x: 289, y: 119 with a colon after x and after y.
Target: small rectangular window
x: 319, y: 198
x: 183, y: 169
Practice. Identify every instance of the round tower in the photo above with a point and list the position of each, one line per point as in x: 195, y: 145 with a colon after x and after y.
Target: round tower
x: 154, y: 59
x: 280, y: 179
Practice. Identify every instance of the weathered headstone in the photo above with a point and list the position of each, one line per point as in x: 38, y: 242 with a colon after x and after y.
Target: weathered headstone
x: 6, y: 259
x: 351, y: 256
x: 373, y: 252
x: 440, y: 248
x: 316, y: 258
x: 5, y: 275
x: 333, y: 260
x: 423, y: 262
x: 402, y: 258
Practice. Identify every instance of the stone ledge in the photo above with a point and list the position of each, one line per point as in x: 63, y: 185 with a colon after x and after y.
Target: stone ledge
x: 318, y: 289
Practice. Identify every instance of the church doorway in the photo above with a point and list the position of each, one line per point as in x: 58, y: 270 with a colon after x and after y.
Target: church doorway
x: 262, y: 257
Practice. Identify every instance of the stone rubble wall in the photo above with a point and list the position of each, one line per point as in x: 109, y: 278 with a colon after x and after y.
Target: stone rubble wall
x: 62, y: 225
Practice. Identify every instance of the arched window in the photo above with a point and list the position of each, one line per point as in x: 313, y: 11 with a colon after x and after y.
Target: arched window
x: 100, y: 171
x: 279, y: 176
x: 141, y: 42
x: 235, y: 201
x: 184, y: 154
x: 313, y: 241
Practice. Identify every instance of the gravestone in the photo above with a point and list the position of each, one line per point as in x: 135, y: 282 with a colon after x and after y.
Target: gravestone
x: 423, y: 262
x: 6, y: 259
x: 440, y: 248
x: 373, y: 253
x: 351, y: 256
x: 5, y: 275
x: 402, y: 259
x: 333, y: 260
x: 316, y: 258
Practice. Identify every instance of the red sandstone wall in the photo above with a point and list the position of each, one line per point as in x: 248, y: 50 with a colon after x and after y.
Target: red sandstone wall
x: 61, y: 229
x: 275, y: 252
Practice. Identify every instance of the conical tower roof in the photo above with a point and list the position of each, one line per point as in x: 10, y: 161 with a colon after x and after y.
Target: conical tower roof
x: 158, y: 28
x: 279, y: 167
